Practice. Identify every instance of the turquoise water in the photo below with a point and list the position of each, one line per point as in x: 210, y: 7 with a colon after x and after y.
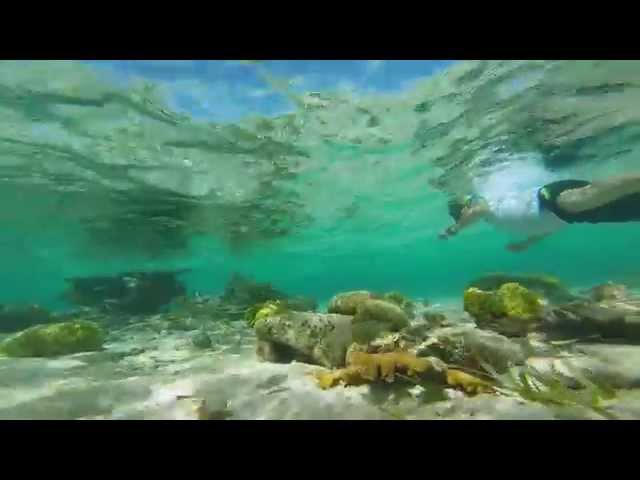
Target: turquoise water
x: 355, y: 183
x: 317, y: 177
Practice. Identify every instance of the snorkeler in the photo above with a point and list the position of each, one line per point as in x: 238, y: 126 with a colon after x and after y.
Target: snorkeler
x: 538, y: 212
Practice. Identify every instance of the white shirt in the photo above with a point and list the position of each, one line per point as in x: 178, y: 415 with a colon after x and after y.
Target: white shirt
x: 520, y: 212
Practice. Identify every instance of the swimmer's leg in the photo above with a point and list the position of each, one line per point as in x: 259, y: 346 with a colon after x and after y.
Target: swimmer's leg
x: 598, y: 193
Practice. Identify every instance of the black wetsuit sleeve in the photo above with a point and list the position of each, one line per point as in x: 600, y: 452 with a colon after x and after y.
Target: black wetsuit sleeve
x: 623, y: 209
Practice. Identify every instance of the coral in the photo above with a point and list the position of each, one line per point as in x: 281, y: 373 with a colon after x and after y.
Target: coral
x: 511, y: 310
x: 347, y: 303
x: 467, y: 382
x: 389, y: 314
x: 55, y: 339
x: 545, y: 285
x: 400, y: 300
x: 477, y: 303
x: 365, y: 368
x: 513, y: 300
x: 374, y: 318
x: 264, y: 310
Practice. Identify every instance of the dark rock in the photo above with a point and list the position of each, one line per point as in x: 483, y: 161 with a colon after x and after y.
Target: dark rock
x: 130, y: 292
x: 19, y: 317
x: 242, y: 293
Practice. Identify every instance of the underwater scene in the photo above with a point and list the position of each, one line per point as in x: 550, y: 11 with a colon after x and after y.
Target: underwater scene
x: 320, y: 240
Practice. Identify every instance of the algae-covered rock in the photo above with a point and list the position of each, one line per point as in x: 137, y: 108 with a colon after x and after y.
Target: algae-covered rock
x: 374, y: 318
x: 401, y: 301
x: 511, y: 310
x: 546, y: 286
x: 55, y: 339
x: 347, y: 303
x: 319, y: 338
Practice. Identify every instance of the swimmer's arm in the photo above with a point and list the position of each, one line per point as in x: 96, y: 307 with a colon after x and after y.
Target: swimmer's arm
x: 469, y: 217
x: 522, y: 246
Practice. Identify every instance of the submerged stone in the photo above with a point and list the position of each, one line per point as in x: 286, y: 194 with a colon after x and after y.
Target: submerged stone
x: 54, y: 340
x: 546, y: 286
x: 129, y: 292
x: 322, y: 339
x: 512, y: 310
x: 347, y: 303
x: 472, y: 347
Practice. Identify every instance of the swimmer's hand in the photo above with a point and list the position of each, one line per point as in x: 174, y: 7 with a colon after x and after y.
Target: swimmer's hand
x: 522, y: 246
x: 517, y: 247
x: 449, y: 232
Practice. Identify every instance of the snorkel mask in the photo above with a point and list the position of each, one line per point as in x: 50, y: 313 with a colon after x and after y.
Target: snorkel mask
x: 458, y: 205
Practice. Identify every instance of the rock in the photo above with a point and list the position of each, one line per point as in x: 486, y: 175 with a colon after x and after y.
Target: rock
x: 242, y: 294
x: 322, y: 339
x: 469, y: 347
x: 417, y: 332
x: 435, y: 320
x: 608, y: 291
x: 546, y: 286
x: 401, y: 301
x: 511, y: 310
x: 129, y: 292
x: 201, y: 340
x: 55, y: 339
x: 18, y: 317
x: 302, y: 304
x: 613, y: 319
x: 243, y: 291
x: 347, y: 303
x: 376, y: 316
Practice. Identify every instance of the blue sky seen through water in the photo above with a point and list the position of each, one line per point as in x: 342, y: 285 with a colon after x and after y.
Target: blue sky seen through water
x: 223, y: 90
